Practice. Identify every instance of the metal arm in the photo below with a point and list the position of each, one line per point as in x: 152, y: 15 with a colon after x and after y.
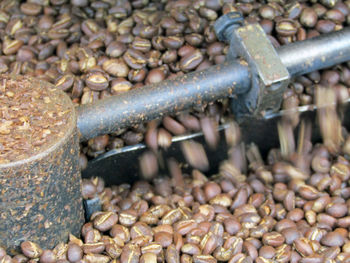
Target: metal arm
x: 228, y: 79
x: 170, y: 96
x: 317, y: 53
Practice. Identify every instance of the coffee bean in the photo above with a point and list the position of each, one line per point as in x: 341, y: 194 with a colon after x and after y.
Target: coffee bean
x: 267, y: 12
x: 308, y: 17
x: 325, y: 26
x: 10, y: 47
x: 74, y: 253
x: 332, y: 239
x: 149, y: 258
x: 164, y: 239
x: 96, y: 81
x: 31, y: 249
x: 191, y: 61
x: 47, y: 257
x: 172, y: 255
x: 203, y: 259
x: 128, y: 217
x: 105, y: 221
x: 286, y: 27
x: 154, y: 76
x: 95, y: 248
x: 116, y: 67
x: 274, y: 239
x: 31, y: 9
x: 135, y: 59
x: 130, y: 253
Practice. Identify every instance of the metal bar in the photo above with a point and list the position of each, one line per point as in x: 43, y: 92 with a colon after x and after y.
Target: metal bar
x: 313, y: 54
x: 153, y: 101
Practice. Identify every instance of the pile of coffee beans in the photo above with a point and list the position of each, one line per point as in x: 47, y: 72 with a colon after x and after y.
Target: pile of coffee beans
x: 292, y: 208
x: 96, y: 49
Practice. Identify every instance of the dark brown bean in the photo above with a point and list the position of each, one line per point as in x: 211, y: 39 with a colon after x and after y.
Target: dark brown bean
x: 31, y: 9
x: 325, y: 26
x: 74, y: 253
x: 286, y: 27
x: 163, y: 238
x: 332, y: 239
x: 47, y: 257
x: 191, y: 61
x: 130, y: 253
x: 308, y: 17
x: 105, y: 221
x: 135, y: 59
x: 155, y: 75
x: 31, y: 249
x: 274, y: 239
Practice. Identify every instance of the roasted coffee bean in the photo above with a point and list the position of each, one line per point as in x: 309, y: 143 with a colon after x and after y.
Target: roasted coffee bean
x: 150, y: 258
x: 94, y: 248
x: 105, y: 221
x: 116, y: 67
x: 286, y: 27
x: 31, y: 9
x: 165, y: 239
x: 308, y: 17
x: 130, y: 253
x: 96, y: 81
x: 191, y: 61
x: 195, y: 155
x: 274, y: 239
x: 65, y: 82
x: 31, y: 250
x: 74, y: 253
x: 190, y: 249
x: 332, y: 239
x: 46, y: 257
x: 325, y: 26
x: 173, y: 126
x: 120, y: 85
x: 154, y: 76
x: 128, y: 217
x: 135, y: 59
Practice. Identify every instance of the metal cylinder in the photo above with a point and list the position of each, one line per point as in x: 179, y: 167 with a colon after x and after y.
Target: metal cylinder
x: 324, y: 51
x: 40, y: 181
x: 170, y: 96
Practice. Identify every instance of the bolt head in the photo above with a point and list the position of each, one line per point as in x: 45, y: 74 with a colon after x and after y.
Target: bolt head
x: 227, y: 22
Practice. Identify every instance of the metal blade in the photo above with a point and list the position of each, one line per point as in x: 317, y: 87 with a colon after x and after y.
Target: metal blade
x: 122, y: 165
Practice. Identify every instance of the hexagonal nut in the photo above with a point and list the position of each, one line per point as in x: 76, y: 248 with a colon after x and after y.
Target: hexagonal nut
x: 227, y: 22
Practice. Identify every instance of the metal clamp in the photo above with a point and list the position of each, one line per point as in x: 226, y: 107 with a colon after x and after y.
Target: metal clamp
x: 269, y: 76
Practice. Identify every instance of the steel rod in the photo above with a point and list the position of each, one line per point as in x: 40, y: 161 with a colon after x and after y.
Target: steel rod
x: 313, y: 54
x: 153, y: 101
x: 220, y: 81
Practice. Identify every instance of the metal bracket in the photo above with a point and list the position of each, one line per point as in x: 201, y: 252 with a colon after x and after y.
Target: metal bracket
x: 269, y: 76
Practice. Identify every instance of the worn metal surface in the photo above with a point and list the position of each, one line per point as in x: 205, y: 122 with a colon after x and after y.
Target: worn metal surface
x: 226, y: 24
x: 40, y: 196
x: 270, y: 77
x: 313, y: 54
x: 170, y: 96
x: 231, y: 78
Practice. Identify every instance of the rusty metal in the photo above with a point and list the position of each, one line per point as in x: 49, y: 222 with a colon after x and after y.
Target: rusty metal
x: 41, y: 195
